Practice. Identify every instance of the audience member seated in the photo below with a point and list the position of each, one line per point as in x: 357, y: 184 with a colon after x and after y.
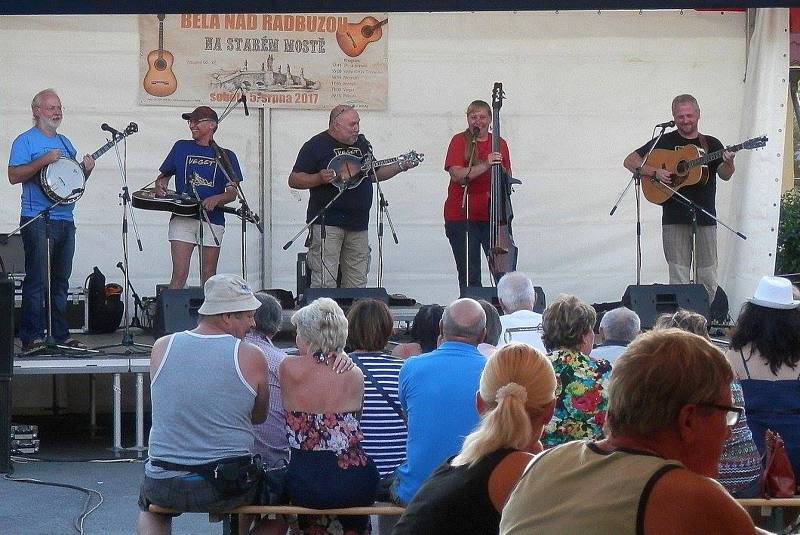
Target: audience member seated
x: 328, y: 467
x: 466, y: 493
x: 493, y: 328
x: 568, y: 335
x: 740, y: 463
x: 195, y: 429
x: 618, y: 328
x: 424, y: 332
x: 370, y: 325
x: 271, y: 441
x: 437, y: 391
x: 764, y: 352
x: 668, y: 414
x: 517, y: 297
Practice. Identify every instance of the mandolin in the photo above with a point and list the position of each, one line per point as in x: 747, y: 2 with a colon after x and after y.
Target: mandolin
x: 350, y: 170
x: 354, y: 38
x: 159, y: 80
x: 688, y: 166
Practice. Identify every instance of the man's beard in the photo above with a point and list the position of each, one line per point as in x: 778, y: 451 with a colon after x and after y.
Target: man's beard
x: 50, y: 124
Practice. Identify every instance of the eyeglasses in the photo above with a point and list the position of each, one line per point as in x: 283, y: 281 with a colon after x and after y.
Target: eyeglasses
x: 732, y: 413
x: 345, y: 107
x: 50, y: 109
x: 198, y: 121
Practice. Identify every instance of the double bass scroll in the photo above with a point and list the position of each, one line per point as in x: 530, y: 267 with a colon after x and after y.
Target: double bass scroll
x: 502, y: 256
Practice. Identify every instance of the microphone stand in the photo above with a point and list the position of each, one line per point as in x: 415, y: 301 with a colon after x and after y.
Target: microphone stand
x: 383, y: 210
x: 636, y: 179
x: 49, y: 342
x: 693, y: 208
x: 127, y: 342
x: 465, y: 208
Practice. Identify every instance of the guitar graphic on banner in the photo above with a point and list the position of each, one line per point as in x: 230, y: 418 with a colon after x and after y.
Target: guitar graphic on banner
x: 354, y: 38
x: 160, y: 81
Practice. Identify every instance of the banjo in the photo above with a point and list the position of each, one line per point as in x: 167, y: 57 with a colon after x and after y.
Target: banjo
x: 62, y: 181
x: 350, y: 170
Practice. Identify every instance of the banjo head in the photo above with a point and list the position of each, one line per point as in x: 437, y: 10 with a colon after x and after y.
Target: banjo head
x: 61, y: 179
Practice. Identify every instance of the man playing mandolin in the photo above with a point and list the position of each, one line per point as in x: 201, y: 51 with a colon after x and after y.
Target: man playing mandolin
x: 206, y: 171
x: 676, y: 219
x: 31, y: 152
x: 347, y: 219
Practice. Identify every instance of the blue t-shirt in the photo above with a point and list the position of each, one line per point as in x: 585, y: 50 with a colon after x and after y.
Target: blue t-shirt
x: 187, y: 159
x: 437, y: 393
x: 29, y: 146
x: 351, y: 210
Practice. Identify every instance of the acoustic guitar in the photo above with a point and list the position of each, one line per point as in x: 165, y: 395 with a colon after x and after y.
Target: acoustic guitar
x: 688, y: 166
x: 354, y: 38
x: 159, y: 80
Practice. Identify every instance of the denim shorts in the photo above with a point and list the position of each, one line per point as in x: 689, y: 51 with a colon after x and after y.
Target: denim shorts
x: 190, y: 493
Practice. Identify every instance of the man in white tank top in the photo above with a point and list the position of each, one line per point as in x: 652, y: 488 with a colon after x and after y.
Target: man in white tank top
x: 208, y: 388
x: 669, y: 412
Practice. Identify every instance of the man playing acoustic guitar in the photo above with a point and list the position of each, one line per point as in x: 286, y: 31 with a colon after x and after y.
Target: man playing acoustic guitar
x: 676, y: 219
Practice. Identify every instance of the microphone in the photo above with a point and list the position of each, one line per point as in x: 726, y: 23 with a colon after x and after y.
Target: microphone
x: 114, y: 132
x: 668, y: 124
x: 243, y: 100
x: 475, y: 131
x: 363, y: 138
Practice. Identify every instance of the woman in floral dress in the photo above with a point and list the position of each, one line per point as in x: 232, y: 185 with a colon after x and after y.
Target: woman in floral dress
x: 568, y: 335
x: 328, y: 467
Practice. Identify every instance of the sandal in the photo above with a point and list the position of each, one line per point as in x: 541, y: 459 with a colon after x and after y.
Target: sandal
x: 33, y: 345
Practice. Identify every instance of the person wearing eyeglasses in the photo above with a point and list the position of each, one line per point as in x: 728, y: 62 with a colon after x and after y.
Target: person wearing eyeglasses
x: 205, y: 171
x: 31, y: 152
x: 669, y: 412
x: 346, y: 221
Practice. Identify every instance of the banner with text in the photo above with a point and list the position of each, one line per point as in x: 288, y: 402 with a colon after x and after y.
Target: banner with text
x: 279, y: 61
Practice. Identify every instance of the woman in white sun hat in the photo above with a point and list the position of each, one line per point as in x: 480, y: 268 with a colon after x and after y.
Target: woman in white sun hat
x: 764, y: 352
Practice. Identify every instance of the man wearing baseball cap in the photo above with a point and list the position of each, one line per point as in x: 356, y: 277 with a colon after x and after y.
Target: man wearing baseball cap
x: 208, y: 388
x: 204, y: 171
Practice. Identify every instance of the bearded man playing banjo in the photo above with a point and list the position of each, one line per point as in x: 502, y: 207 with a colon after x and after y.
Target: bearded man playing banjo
x: 31, y: 152
x: 346, y: 220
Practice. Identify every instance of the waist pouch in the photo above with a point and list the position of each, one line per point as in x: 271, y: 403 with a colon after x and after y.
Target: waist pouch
x: 230, y: 476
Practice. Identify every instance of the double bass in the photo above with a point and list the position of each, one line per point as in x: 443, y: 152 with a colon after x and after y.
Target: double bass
x: 502, y: 256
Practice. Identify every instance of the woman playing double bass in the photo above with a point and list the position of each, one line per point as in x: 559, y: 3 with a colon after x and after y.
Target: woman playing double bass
x: 466, y: 211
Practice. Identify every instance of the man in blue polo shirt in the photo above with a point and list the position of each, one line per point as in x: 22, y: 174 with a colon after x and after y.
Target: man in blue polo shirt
x: 31, y: 152
x: 437, y: 393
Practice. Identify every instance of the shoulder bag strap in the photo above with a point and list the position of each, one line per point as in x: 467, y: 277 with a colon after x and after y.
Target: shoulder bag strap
x: 371, y: 378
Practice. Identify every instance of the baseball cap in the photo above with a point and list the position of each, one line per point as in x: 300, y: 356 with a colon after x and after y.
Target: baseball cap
x: 201, y: 112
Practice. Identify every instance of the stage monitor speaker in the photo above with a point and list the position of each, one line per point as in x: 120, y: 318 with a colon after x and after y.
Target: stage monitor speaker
x: 177, y: 310
x: 5, y: 425
x: 12, y: 254
x: 6, y: 327
x: 489, y: 293
x: 649, y: 301
x: 345, y: 297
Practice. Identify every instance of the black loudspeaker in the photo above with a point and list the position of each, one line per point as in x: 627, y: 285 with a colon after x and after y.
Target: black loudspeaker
x: 6, y: 328
x: 489, y: 293
x: 649, y: 301
x: 177, y: 310
x: 5, y: 425
x: 345, y: 297
x: 12, y: 254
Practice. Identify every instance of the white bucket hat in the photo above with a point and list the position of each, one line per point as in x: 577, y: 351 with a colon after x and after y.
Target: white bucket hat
x: 774, y: 292
x: 226, y: 293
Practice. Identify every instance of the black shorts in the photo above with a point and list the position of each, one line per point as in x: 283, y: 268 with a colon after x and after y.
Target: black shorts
x: 190, y: 493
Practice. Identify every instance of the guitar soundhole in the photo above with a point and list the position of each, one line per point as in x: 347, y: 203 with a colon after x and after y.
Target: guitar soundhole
x: 160, y: 64
x: 680, y: 169
x: 367, y: 32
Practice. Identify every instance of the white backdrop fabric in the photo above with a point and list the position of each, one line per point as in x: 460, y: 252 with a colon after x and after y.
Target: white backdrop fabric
x: 583, y: 89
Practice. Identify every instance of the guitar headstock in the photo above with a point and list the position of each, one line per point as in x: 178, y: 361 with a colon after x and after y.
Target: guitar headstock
x: 497, y: 96
x: 755, y: 143
x: 411, y: 156
x: 130, y: 129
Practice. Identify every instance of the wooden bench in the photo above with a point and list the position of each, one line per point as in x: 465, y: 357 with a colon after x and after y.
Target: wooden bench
x: 773, y: 508
x: 230, y: 519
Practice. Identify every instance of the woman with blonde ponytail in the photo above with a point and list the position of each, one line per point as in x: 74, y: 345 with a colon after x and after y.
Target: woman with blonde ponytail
x: 466, y: 494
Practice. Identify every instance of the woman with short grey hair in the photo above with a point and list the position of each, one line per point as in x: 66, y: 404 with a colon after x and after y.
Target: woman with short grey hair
x: 328, y: 468
x: 568, y: 335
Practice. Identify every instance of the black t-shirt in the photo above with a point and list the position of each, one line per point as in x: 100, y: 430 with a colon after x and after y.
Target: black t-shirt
x: 351, y: 209
x: 454, y: 500
x: 703, y: 195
